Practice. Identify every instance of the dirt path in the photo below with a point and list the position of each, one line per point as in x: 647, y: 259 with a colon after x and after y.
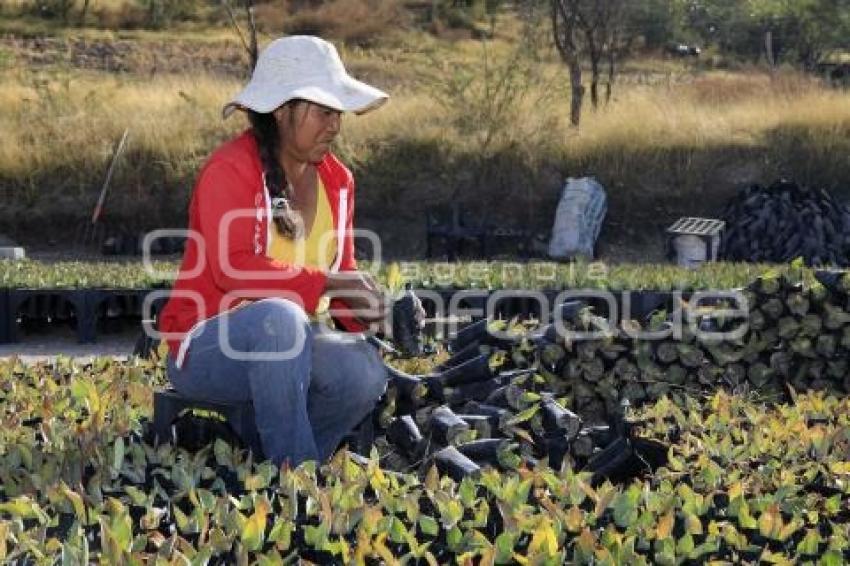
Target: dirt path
x: 62, y: 341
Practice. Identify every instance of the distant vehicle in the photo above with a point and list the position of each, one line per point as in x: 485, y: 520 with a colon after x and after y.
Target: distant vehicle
x: 837, y: 74
x: 683, y: 50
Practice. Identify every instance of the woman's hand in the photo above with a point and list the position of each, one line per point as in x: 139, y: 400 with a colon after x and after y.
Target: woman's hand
x: 361, y: 293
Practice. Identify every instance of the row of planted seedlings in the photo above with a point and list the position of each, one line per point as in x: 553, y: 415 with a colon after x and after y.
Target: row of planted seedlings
x: 743, y: 483
x: 93, y: 298
x: 489, y: 275
x: 88, y: 297
x: 97, y: 297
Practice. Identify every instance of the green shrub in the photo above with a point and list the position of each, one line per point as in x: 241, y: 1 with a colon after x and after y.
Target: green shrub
x: 53, y: 9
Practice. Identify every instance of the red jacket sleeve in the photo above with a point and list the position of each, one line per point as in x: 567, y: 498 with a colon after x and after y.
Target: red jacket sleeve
x: 230, y: 241
x: 338, y: 307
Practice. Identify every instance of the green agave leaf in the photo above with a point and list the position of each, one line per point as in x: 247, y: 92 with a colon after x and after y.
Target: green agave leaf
x: 504, y: 544
x: 831, y: 558
x: 429, y: 526
x: 76, y: 502
x: 255, y: 482
x: 223, y: 453
x: 838, y: 539
x: 693, y: 525
x: 253, y: 532
x: 665, y: 551
x: 70, y: 554
x: 530, y: 396
x: 281, y: 534
x: 410, y: 503
x: 454, y: 539
x: 137, y: 496
x: 544, y: 540
x: 185, y: 524
x: 625, y: 506
x: 397, y: 531
x: 316, y: 536
x: 810, y: 544
x: 707, y: 548
x: 745, y: 520
x: 771, y: 557
x: 116, y: 538
x: 451, y: 511
x: 833, y: 505
x: 140, y: 542
x: 206, y: 499
x: 585, y: 546
x: 339, y: 547
x: 481, y: 515
x: 24, y: 508
x: 467, y: 492
x: 685, y: 545
x: 117, y: 457
x: 219, y: 541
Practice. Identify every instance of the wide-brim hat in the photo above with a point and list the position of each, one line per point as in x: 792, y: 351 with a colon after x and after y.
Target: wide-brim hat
x: 308, y: 68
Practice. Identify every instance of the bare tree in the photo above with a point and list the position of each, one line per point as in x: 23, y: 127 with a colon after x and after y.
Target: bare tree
x: 596, y: 29
x: 612, y: 63
x: 601, y: 22
x: 249, y: 43
x: 83, y: 12
x: 623, y: 36
x: 565, y: 29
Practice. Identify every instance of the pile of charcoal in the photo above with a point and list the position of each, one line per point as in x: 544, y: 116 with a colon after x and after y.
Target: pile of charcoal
x: 490, y: 404
x: 785, y: 221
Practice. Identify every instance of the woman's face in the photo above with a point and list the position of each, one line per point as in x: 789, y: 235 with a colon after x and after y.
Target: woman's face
x: 307, y: 129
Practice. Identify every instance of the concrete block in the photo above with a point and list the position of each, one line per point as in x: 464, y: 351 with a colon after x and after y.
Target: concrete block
x: 12, y: 252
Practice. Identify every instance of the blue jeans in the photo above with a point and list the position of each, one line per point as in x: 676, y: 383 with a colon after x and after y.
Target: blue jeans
x: 305, y: 401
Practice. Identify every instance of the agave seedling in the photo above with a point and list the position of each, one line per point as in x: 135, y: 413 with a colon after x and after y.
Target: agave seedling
x: 447, y: 428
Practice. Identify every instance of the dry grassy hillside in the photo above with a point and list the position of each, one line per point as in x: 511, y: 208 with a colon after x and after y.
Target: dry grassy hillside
x: 481, y: 122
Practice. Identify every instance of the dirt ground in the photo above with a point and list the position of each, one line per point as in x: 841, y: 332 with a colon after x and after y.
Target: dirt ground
x: 46, y: 346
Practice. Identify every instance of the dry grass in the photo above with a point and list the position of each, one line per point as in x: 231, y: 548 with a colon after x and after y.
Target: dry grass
x: 355, y: 21
x: 661, y: 140
x: 68, y: 124
x: 171, y: 117
x: 704, y: 114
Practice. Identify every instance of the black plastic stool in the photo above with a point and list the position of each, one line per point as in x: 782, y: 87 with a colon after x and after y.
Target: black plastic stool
x: 169, y: 405
x: 360, y: 439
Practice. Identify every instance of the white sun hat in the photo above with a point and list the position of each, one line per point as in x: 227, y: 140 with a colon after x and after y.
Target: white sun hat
x: 305, y: 67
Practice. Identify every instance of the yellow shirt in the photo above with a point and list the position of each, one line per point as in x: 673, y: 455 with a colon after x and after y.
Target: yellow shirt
x: 317, y: 249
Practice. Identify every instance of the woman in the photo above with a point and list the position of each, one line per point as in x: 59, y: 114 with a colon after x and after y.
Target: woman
x: 245, y: 317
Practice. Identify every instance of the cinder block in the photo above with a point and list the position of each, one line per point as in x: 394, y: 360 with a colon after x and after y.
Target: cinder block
x: 12, y: 252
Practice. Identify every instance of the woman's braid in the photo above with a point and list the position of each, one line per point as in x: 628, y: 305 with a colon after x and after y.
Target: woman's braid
x: 286, y: 218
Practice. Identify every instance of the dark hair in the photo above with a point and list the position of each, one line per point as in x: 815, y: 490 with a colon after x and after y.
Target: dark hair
x: 285, y: 217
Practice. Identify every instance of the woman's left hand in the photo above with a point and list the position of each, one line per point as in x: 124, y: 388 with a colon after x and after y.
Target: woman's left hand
x: 385, y: 326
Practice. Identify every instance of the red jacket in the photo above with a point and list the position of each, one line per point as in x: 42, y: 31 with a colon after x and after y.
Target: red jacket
x: 232, y: 180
